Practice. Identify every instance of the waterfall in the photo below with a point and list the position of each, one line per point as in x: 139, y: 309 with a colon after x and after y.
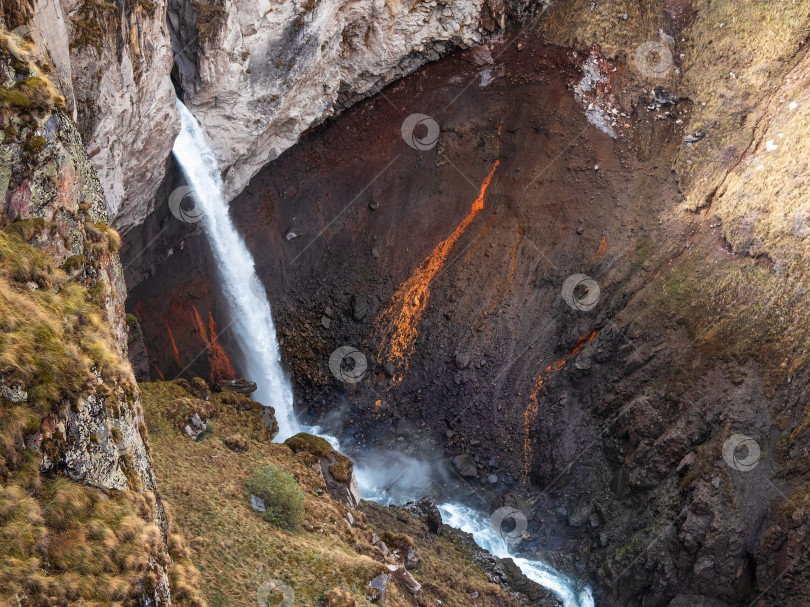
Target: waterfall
x: 252, y: 322
x: 248, y: 306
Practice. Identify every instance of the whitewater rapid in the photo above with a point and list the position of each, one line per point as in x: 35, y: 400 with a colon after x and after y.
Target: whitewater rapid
x: 252, y: 324
x: 248, y: 305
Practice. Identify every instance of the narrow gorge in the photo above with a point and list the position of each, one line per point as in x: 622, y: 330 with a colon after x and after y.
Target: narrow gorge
x: 469, y: 303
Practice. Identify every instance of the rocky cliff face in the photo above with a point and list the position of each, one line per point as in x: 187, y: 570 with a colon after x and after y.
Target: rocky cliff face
x: 70, y: 405
x: 111, y: 62
x: 652, y: 409
x: 259, y: 74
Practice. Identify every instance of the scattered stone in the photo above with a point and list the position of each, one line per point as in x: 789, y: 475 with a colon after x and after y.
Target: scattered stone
x: 359, y: 307
x: 374, y: 539
x: 194, y: 427
x: 492, y: 478
x: 687, y: 460
x: 349, y: 519
x: 328, y: 311
x: 464, y: 464
x: 383, y: 548
x: 696, y: 136
x: 291, y: 235
x: 377, y: 587
x: 373, y: 205
x: 411, y: 559
x: 404, y: 576
x: 603, y: 539
x: 580, y: 230
x: 256, y: 503
x: 662, y: 97
x: 462, y: 359
x: 389, y: 369
x: 375, y: 253
x: 326, y: 322
x: 474, y: 595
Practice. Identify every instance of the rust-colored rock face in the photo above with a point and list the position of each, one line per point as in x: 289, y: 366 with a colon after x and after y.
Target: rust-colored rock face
x: 522, y: 286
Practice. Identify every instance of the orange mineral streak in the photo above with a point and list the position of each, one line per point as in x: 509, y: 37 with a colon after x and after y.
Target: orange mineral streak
x: 534, y: 405
x: 174, y: 346
x: 603, y: 247
x: 221, y: 367
x: 400, y: 319
x: 158, y: 372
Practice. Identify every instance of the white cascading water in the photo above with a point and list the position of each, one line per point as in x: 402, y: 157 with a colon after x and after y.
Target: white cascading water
x: 247, y: 301
x: 252, y: 322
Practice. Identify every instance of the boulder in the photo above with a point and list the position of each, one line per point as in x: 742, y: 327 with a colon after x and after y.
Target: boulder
x: 465, y: 465
x: 337, y: 469
x: 377, y: 587
x: 426, y: 511
x: 359, y: 308
x: 242, y: 386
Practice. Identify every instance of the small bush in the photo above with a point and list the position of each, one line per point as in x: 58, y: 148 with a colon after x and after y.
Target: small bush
x: 283, y: 498
x: 132, y: 321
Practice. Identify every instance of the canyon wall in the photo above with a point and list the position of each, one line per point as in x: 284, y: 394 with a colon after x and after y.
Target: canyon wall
x: 651, y: 412
x: 257, y: 75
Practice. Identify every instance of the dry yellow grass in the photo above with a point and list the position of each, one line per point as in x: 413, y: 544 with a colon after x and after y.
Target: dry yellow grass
x: 236, y: 550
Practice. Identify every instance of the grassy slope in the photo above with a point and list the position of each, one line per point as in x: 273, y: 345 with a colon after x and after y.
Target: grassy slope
x: 236, y: 550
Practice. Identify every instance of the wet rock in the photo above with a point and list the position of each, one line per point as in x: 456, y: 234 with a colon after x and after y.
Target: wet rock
x: 465, y: 465
x: 241, y: 386
x: 519, y: 582
x: 377, y: 587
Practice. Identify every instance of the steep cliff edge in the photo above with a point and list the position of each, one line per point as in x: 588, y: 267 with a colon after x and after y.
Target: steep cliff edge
x: 81, y: 518
x: 111, y: 62
x: 259, y: 74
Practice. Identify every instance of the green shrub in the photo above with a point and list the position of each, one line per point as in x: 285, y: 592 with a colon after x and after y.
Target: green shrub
x: 283, y: 498
x: 132, y: 321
